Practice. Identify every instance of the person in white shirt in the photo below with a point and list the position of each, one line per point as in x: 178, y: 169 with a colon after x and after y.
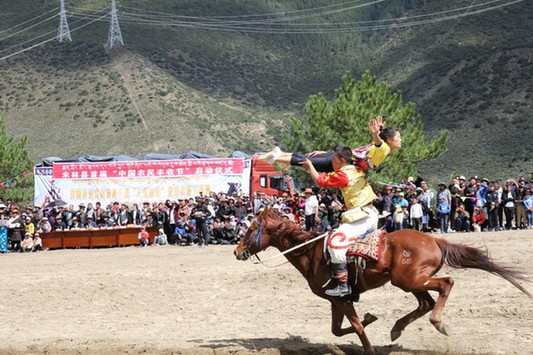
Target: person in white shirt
x: 310, y: 210
x: 415, y: 213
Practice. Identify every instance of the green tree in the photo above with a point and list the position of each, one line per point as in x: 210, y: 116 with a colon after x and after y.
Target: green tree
x: 14, y: 163
x: 344, y: 120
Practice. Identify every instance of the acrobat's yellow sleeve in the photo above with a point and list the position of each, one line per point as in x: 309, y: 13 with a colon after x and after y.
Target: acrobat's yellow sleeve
x: 377, y: 155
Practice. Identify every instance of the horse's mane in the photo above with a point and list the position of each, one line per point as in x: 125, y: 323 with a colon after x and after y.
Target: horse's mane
x: 288, y: 229
x: 295, y: 231
x: 291, y: 232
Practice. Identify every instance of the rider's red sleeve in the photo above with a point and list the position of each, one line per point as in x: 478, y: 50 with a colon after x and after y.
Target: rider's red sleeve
x: 334, y: 179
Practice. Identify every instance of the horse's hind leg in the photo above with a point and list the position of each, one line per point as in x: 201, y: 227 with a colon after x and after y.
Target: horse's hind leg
x: 443, y: 286
x: 425, y: 304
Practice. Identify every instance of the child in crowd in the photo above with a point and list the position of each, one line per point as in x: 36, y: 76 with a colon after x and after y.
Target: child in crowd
x: 160, y: 238
x: 398, y: 217
x: 27, y: 243
x: 144, y: 237
x: 37, y: 242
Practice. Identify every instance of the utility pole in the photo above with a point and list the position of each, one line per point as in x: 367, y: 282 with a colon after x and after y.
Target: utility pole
x: 114, y: 36
x: 63, y: 32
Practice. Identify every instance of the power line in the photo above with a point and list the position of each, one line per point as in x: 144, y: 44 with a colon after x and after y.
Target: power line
x: 320, y: 28
x: 273, y: 27
x: 29, y: 27
x: 288, y: 19
x: 27, y: 41
x: 207, y: 20
x: 286, y: 15
x: 51, y: 39
x: 28, y: 48
x: 30, y: 20
x: 88, y: 16
x: 348, y: 28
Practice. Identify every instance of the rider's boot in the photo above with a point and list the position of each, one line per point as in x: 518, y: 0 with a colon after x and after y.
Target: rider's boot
x: 340, y: 272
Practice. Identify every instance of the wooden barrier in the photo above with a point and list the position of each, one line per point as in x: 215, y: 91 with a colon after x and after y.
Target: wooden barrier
x: 91, y: 238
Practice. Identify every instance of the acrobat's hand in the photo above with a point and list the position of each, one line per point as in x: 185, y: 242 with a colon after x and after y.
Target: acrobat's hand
x: 306, y: 164
x: 315, y: 153
x: 376, y: 124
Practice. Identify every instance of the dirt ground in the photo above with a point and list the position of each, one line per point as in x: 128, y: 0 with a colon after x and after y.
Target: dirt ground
x: 189, y: 300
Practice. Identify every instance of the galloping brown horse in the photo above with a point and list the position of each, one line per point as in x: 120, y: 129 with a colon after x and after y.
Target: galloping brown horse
x: 409, y: 259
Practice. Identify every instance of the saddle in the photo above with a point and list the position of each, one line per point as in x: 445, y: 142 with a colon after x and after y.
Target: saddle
x: 368, y: 246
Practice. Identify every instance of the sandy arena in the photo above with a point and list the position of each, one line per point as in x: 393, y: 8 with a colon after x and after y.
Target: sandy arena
x: 188, y: 300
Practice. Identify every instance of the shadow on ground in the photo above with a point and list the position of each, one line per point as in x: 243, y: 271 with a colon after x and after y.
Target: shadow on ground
x: 297, y: 345
x: 292, y: 345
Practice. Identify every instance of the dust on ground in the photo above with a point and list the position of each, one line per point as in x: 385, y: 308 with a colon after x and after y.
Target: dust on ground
x: 188, y: 300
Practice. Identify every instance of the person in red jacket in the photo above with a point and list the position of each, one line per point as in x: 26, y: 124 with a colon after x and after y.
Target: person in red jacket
x: 478, y: 220
x: 144, y: 237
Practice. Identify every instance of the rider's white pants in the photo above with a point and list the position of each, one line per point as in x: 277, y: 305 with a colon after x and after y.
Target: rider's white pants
x: 347, y: 234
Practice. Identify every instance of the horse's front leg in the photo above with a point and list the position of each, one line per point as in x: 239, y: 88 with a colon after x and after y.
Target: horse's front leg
x: 337, y: 316
x: 341, y: 308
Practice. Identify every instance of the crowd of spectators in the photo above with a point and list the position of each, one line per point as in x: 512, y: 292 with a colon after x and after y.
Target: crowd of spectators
x: 462, y: 205
x: 477, y: 204
x: 205, y: 219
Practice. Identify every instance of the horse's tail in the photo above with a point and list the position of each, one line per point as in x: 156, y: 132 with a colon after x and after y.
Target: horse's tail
x: 462, y: 256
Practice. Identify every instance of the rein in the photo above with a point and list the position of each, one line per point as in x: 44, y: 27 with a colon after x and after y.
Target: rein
x: 259, y: 261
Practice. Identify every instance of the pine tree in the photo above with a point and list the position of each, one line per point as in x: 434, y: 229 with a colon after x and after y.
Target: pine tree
x: 14, y: 163
x: 344, y: 120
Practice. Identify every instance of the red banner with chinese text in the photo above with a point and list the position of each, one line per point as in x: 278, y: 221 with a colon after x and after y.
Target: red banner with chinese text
x: 148, y: 168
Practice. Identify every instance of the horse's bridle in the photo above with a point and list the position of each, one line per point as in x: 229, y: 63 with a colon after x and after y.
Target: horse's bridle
x: 255, y: 239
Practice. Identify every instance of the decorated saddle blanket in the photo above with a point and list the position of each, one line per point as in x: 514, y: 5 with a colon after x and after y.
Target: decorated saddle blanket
x: 368, y: 245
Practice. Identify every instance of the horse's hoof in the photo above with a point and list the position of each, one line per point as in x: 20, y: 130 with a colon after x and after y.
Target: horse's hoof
x: 395, y: 334
x: 369, y: 318
x: 442, y: 328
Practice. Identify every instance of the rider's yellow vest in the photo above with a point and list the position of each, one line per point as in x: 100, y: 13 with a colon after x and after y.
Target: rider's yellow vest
x: 358, y: 193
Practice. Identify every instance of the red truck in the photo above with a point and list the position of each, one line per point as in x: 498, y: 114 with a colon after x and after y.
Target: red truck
x: 265, y: 178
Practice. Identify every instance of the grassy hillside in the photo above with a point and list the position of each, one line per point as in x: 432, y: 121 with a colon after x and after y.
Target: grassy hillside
x: 120, y: 103
x: 473, y: 77
x: 174, y: 89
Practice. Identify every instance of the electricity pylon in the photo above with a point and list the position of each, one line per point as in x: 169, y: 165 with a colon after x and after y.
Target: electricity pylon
x: 114, y: 36
x: 63, y: 32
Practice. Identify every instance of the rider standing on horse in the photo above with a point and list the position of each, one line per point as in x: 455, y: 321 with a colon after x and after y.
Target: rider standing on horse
x: 360, y: 216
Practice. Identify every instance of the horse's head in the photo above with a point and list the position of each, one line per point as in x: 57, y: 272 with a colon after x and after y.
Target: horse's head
x: 255, y: 239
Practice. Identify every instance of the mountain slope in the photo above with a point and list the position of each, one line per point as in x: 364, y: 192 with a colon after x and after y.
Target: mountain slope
x: 174, y: 89
x: 121, y: 104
